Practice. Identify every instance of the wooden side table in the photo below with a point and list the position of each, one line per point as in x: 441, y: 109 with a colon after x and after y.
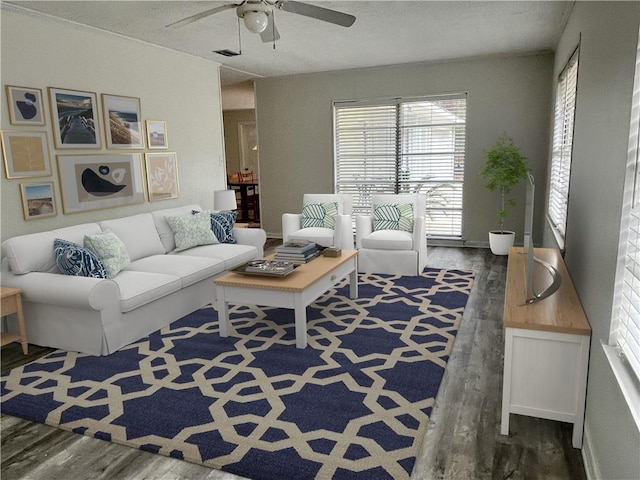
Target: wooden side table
x: 12, y: 303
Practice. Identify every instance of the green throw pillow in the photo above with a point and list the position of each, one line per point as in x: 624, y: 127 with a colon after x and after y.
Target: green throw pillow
x: 192, y: 230
x: 393, y: 216
x: 319, y: 215
x: 110, y: 251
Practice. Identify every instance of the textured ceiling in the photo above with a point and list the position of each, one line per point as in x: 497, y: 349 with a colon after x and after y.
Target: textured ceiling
x: 385, y: 32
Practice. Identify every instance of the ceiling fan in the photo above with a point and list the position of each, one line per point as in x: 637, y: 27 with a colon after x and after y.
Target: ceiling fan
x: 258, y: 15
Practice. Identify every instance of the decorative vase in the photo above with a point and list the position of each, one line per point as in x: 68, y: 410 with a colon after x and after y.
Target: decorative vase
x: 501, y: 241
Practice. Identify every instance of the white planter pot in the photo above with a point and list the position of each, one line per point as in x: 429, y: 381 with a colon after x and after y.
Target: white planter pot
x: 501, y: 242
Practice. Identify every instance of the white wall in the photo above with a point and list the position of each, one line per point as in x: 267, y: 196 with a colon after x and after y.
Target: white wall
x: 183, y: 90
x: 608, y: 36
x: 506, y: 94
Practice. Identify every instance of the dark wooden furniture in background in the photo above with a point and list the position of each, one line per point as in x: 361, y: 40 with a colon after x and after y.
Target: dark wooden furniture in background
x: 249, y: 201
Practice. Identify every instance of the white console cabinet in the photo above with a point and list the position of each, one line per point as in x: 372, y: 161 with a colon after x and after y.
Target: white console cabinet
x: 546, y: 349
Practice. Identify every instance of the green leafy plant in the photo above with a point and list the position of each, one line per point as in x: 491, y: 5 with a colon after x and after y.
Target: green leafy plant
x: 503, y: 170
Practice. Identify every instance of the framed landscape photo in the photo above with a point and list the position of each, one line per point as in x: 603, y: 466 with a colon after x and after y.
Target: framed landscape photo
x: 38, y: 200
x: 92, y: 182
x: 162, y: 176
x: 157, y: 134
x: 74, y: 115
x: 25, y: 105
x: 122, y: 122
x: 26, y: 154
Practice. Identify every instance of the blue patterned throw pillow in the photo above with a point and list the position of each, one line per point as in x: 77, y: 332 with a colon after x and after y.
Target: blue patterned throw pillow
x: 319, y: 215
x: 74, y: 259
x: 222, y: 226
x: 393, y: 216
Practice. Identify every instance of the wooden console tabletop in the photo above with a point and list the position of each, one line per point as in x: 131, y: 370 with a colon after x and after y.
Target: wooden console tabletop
x: 561, y: 312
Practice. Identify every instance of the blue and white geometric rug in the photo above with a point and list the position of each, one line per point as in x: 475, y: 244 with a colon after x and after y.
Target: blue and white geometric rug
x: 354, y: 404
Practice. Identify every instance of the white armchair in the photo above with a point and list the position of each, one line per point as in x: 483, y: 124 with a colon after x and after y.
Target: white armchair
x: 324, y: 233
x: 384, y: 246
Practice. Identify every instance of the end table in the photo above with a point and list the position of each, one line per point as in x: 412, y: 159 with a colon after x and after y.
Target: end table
x: 12, y: 303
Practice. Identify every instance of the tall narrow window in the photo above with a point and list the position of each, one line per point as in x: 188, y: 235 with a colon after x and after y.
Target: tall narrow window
x: 560, y: 173
x: 404, y: 146
x: 625, y: 331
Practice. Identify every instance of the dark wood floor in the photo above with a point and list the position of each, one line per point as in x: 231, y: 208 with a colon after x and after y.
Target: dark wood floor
x: 463, y: 440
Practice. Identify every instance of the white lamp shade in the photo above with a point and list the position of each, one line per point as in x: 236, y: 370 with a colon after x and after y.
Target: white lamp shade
x: 255, y: 22
x: 224, y: 200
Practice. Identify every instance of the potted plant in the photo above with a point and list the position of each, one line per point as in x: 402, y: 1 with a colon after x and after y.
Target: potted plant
x: 503, y: 170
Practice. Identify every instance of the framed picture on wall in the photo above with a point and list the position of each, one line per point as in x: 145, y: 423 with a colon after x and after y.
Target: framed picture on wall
x: 38, y: 200
x: 91, y: 182
x: 122, y: 122
x: 26, y: 154
x: 74, y: 115
x: 157, y: 134
x: 25, y: 105
x: 162, y: 176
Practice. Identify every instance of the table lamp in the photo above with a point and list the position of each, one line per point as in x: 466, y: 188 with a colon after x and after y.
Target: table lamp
x: 224, y: 200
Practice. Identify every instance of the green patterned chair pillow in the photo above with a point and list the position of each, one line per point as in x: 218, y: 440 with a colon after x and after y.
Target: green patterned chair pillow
x: 319, y: 215
x: 393, y: 216
x: 110, y: 251
x: 192, y: 230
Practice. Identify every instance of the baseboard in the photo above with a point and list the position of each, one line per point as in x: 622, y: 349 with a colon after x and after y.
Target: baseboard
x: 591, y: 466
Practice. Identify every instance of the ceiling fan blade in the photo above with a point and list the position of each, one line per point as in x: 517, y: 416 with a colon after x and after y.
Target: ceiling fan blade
x: 201, y: 15
x: 270, y: 34
x: 319, y: 13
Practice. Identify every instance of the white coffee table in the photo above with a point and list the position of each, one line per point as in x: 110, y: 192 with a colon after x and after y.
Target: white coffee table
x: 296, y: 290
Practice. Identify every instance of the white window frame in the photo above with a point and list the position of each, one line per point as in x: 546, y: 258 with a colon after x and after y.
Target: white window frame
x: 562, y: 148
x: 381, y: 166
x: 623, y: 347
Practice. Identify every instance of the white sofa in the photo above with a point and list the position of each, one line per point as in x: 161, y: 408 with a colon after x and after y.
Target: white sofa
x: 99, y: 316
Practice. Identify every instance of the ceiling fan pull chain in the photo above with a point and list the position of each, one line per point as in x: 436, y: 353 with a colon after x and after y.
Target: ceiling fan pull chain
x: 273, y: 27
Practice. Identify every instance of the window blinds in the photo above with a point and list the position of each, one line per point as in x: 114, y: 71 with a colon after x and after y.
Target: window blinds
x: 404, y: 146
x: 562, y: 146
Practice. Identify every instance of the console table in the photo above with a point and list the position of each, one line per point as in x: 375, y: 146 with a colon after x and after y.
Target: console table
x: 546, y: 349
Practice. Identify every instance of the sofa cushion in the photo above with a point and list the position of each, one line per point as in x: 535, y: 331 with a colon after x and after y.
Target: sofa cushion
x: 231, y: 254
x: 319, y: 215
x: 110, y: 250
x: 192, y: 230
x: 74, y: 259
x: 76, y: 233
x: 320, y: 235
x: 138, y: 233
x: 393, y: 216
x: 388, y: 240
x: 140, y: 288
x: 190, y: 269
x: 163, y: 228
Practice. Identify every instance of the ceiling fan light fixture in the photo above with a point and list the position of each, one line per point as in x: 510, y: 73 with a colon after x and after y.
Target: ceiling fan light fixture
x: 255, y: 22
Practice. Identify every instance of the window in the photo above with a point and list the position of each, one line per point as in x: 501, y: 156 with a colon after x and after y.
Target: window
x: 623, y: 350
x: 404, y: 146
x: 562, y: 148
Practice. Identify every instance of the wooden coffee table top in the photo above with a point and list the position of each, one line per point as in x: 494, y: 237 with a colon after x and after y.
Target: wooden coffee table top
x: 298, y: 280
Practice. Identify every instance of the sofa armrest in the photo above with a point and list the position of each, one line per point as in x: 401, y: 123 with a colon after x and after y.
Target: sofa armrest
x: 343, y: 237
x: 291, y: 222
x: 256, y: 237
x: 364, y: 226
x: 65, y: 290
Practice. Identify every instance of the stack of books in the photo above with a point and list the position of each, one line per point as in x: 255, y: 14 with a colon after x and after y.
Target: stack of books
x: 297, y: 252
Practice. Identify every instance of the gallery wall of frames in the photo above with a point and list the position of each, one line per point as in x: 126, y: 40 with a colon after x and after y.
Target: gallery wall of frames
x: 81, y: 125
